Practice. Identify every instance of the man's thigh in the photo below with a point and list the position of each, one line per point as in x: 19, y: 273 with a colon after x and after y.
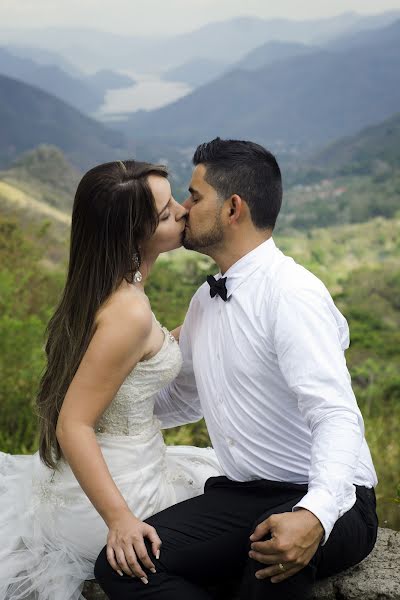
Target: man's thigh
x: 352, y: 538
x: 207, y: 538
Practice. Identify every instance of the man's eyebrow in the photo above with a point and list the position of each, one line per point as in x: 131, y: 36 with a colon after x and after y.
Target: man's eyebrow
x: 165, y: 207
x: 193, y: 191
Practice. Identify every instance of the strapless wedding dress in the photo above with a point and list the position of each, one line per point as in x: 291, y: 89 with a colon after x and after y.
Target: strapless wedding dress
x: 50, y: 534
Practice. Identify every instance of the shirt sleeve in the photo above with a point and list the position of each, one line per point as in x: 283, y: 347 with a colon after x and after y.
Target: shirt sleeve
x: 310, y: 338
x: 179, y: 403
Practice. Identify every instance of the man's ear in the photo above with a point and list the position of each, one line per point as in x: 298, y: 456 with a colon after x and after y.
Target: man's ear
x: 235, y: 208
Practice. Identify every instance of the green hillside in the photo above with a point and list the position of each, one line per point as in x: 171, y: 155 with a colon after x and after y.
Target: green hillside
x: 374, y: 148
x: 359, y: 263
x: 340, y: 200
x: 46, y: 175
x: 47, y: 227
x: 351, y: 181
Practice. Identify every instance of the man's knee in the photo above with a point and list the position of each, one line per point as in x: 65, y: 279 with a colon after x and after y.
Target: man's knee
x: 102, y: 568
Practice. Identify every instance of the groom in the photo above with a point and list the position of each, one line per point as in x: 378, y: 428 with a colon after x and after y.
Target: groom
x: 263, y: 348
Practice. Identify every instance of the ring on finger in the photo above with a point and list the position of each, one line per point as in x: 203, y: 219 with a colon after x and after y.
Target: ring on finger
x: 282, y: 567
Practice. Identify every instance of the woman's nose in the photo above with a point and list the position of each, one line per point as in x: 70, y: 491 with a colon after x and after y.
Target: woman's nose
x: 182, y: 212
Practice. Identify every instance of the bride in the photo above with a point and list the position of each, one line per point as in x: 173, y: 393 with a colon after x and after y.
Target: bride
x: 102, y: 465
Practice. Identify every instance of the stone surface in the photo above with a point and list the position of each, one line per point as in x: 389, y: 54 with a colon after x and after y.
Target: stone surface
x: 376, y: 578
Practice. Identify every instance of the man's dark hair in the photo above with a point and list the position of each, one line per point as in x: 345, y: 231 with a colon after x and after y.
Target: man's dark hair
x: 246, y: 169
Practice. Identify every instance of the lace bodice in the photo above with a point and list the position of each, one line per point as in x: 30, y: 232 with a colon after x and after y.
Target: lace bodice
x: 131, y: 411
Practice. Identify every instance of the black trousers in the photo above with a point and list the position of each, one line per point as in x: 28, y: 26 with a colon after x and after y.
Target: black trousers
x: 205, y: 544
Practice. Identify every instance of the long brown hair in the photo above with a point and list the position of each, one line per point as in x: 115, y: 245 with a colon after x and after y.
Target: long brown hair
x: 114, y: 211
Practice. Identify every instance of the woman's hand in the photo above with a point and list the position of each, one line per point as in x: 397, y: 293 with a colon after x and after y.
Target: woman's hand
x: 126, y: 550
x: 176, y: 332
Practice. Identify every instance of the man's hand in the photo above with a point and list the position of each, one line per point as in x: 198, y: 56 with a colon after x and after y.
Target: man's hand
x: 295, y: 538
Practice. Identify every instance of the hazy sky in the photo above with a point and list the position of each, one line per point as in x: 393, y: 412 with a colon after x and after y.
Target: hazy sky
x: 149, y: 17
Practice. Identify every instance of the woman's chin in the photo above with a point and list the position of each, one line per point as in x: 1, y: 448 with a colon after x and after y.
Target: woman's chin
x: 175, y: 246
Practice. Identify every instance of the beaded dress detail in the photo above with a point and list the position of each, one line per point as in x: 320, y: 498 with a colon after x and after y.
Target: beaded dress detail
x: 51, y: 533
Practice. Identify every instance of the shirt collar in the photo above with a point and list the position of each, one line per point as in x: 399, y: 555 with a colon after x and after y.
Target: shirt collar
x: 245, y: 266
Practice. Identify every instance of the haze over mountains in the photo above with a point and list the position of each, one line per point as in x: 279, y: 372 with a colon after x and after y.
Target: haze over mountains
x: 85, y: 92
x: 228, y: 41
x: 291, y: 96
x: 302, y: 101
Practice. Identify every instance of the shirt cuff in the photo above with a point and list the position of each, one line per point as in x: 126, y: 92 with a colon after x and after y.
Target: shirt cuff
x: 323, y: 506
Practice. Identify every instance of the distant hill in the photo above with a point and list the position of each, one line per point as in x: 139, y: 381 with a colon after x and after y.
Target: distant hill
x: 86, y: 93
x: 109, y: 80
x: 226, y: 41
x: 199, y: 71
x: 371, y: 149
x: 369, y: 35
x: 271, y: 52
x: 352, y: 180
x: 338, y: 200
x: 53, y: 80
x: 45, y: 175
x: 196, y: 71
x: 35, y: 217
x: 43, y: 57
x: 306, y: 100
x: 30, y: 117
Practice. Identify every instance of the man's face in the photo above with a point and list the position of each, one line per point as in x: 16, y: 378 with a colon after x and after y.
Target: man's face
x: 204, y: 228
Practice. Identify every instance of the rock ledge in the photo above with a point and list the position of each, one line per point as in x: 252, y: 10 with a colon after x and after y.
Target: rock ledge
x: 375, y: 578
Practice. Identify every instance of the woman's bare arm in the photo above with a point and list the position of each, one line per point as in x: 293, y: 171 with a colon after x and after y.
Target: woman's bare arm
x: 118, y: 344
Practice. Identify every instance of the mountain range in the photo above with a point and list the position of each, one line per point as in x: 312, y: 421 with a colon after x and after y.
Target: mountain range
x: 84, y: 92
x: 30, y: 117
x: 227, y: 41
x: 199, y: 71
x: 305, y: 101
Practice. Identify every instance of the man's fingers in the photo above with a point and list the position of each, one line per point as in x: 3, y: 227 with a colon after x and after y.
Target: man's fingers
x: 111, y: 559
x: 261, y: 531
x: 270, y: 547
x: 276, y: 574
x: 266, y: 559
x: 285, y: 575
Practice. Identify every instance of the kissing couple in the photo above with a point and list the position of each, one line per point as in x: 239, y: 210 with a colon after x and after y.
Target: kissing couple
x: 285, y: 496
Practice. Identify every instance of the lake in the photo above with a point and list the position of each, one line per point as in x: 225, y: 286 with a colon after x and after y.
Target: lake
x: 148, y: 93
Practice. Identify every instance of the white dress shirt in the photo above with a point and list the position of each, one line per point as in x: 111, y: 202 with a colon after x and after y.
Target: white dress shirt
x: 267, y: 370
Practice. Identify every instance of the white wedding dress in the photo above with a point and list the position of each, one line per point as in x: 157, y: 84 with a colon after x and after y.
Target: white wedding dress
x: 50, y: 533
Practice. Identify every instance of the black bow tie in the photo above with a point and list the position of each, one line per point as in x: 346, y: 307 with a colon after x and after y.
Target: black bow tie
x: 217, y: 286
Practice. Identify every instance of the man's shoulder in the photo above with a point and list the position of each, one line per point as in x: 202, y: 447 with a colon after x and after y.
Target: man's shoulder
x: 198, y: 299
x: 288, y: 276
x: 202, y: 292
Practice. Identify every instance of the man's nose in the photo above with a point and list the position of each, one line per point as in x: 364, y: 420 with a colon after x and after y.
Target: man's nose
x: 186, y: 204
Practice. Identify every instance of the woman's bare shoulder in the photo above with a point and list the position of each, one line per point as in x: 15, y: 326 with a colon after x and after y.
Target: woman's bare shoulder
x: 127, y: 307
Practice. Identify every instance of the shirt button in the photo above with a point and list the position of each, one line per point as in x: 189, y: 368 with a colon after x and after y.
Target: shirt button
x: 231, y: 442
x: 220, y: 398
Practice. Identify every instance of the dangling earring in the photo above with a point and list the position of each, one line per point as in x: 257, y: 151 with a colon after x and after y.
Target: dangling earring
x: 137, y: 278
